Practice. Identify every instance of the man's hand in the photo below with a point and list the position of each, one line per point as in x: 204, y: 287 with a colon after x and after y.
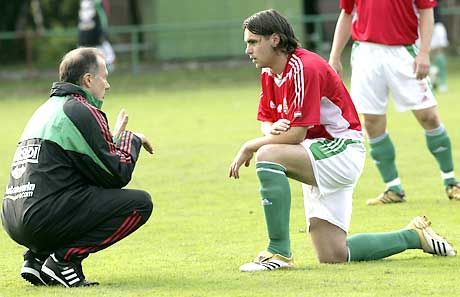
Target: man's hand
x: 145, y: 142
x: 336, y: 64
x: 122, y: 122
x: 244, y: 156
x: 421, y: 65
x: 282, y: 125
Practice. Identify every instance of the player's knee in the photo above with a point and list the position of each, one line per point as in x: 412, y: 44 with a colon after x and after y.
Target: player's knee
x: 374, y: 127
x: 429, y: 120
x: 144, y: 203
x: 336, y: 256
x: 267, y: 153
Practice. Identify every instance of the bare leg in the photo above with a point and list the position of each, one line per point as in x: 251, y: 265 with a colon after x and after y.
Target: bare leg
x: 329, y: 241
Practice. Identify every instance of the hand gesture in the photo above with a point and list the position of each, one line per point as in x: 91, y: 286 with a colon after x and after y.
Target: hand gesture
x: 244, y: 156
x: 282, y: 125
x: 122, y: 122
x: 145, y: 143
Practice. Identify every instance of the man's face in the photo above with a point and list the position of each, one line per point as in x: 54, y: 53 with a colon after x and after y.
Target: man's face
x: 99, y: 84
x: 260, y: 49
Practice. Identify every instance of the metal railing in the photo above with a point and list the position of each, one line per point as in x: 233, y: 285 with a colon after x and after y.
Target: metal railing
x: 134, y: 47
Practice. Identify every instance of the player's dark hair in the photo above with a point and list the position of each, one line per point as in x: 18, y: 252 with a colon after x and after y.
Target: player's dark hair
x: 76, y: 63
x: 267, y: 22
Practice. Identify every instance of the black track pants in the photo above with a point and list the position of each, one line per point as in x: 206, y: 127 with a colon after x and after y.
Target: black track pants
x: 90, y: 221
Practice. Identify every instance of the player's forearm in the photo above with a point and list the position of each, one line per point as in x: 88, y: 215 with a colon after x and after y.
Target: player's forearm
x: 426, y: 29
x: 266, y: 128
x: 341, y: 35
x: 294, y: 135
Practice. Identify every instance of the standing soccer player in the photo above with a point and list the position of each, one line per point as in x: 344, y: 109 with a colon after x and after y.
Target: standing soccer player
x: 64, y: 199
x: 439, y: 42
x: 384, y: 58
x: 312, y: 134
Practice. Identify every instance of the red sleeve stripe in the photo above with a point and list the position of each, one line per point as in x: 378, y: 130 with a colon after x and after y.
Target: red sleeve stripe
x: 101, y: 121
x: 125, y: 147
x: 125, y: 155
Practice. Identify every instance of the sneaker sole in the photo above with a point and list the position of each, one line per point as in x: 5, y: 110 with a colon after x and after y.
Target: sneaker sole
x: 51, y: 274
x: 32, y: 276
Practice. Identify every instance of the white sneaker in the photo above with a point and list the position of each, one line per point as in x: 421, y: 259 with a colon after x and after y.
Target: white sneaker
x: 267, y: 261
x: 432, y: 242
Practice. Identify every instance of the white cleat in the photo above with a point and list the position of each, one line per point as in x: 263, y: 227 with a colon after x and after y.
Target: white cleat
x: 267, y: 261
x: 432, y: 242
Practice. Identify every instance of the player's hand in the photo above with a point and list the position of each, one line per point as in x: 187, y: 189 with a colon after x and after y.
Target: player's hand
x: 244, y: 156
x: 145, y: 142
x: 336, y: 64
x: 280, y: 126
x: 120, y: 125
x: 421, y: 65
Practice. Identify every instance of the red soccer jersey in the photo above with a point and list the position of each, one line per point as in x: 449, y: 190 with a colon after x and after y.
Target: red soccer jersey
x: 309, y: 93
x: 390, y: 22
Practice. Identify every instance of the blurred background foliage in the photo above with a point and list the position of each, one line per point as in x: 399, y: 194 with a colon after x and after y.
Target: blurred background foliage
x: 17, y: 15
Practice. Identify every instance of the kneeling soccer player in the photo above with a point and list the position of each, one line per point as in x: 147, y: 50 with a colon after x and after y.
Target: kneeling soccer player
x: 313, y: 135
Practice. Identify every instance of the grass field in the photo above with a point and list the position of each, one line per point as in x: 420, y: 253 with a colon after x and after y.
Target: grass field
x: 205, y: 225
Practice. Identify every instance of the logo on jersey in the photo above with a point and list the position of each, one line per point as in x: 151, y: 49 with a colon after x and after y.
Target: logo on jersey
x: 272, y: 104
x: 20, y: 191
x: 280, y: 108
x: 24, y: 155
x: 297, y: 114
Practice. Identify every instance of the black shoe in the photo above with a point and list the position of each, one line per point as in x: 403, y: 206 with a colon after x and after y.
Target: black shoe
x: 67, y: 274
x: 31, y: 271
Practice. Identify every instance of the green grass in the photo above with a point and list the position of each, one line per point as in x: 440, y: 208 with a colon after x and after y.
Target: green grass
x: 205, y: 225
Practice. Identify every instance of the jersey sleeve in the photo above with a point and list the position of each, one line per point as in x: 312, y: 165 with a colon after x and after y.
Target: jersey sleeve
x: 424, y: 4
x: 108, y: 164
x: 347, y: 5
x: 305, y: 109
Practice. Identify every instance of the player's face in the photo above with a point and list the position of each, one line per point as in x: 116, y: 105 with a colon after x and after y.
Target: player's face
x: 99, y: 84
x: 260, y: 49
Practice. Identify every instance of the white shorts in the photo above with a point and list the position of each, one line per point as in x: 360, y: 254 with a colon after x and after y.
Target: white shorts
x: 337, y: 166
x: 378, y: 69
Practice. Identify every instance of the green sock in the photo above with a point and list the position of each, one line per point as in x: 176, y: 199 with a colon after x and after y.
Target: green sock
x: 375, y: 246
x: 383, y: 153
x: 438, y: 143
x: 276, y: 199
x: 440, y: 62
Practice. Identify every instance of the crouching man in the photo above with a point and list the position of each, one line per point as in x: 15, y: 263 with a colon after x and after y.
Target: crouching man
x: 65, y: 198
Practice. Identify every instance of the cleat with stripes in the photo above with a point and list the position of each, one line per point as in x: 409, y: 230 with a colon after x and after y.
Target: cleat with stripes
x: 387, y: 197
x: 31, y: 271
x: 267, y: 261
x: 432, y: 242
x: 67, y: 274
